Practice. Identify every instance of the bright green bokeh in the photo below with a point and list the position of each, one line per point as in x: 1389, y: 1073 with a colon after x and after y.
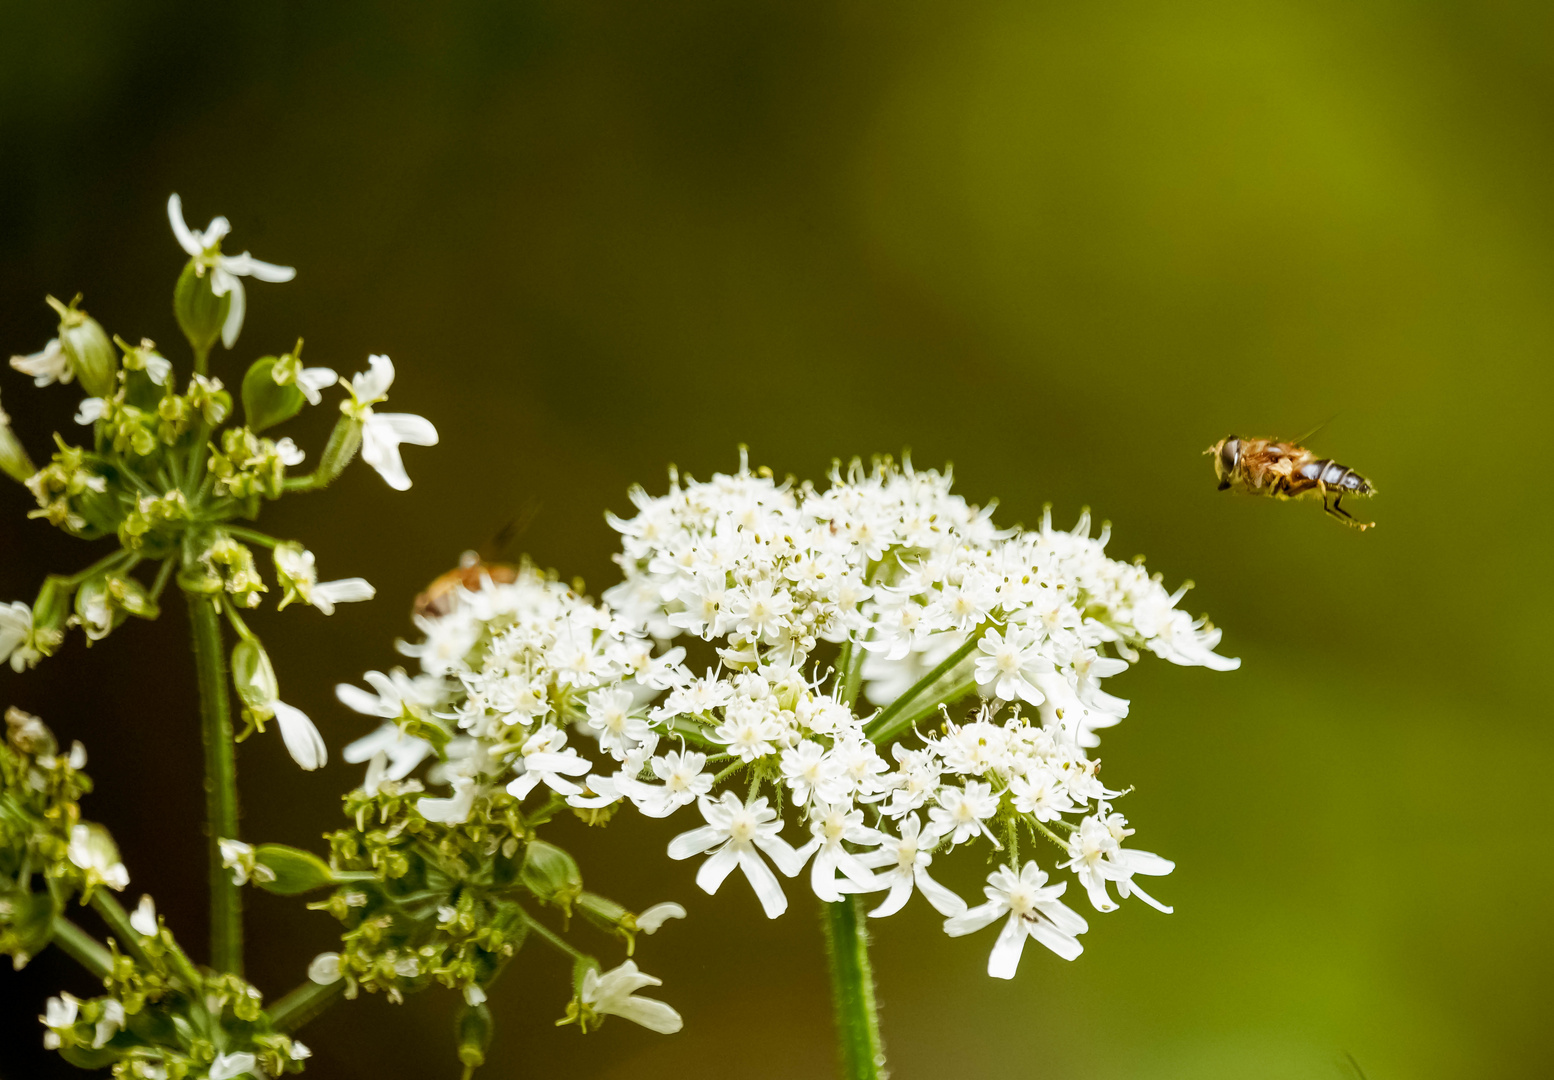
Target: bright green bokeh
x: 1065, y: 245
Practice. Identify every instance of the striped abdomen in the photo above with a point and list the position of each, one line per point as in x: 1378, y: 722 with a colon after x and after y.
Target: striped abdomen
x: 1339, y: 479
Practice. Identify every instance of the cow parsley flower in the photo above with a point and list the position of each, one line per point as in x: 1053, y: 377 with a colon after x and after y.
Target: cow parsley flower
x: 734, y: 835
x: 48, y: 365
x: 1034, y: 910
x: 614, y: 993
x: 382, y: 433
x: 226, y: 271
x: 983, y: 653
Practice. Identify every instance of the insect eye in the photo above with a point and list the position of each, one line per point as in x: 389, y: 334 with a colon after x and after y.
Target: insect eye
x: 1230, y: 452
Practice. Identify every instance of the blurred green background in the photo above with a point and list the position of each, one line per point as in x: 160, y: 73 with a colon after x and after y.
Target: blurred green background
x: 1064, y: 245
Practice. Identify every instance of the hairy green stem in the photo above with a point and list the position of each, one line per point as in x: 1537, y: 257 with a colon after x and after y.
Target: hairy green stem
x: 858, y: 1040
x: 902, y: 721
x: 882, y: 722
x: 82, y: 947
x: 303, y: 1004
x: 226, y: 902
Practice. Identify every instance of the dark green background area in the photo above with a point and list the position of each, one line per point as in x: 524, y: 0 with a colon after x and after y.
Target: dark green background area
x: 1066, y: 246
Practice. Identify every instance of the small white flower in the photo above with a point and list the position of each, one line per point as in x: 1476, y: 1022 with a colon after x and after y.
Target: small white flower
x: 226, y: 271
x: 382, y: 433
x: 1034, y: 911
x: 962, y: 811
x: 654, y: 917
x: 298, y: 572
x: 302, y: 739
x: 91, y: 410
x: 314, y: 380
x: 736, y: 831
x: 143, y: 921
x: 1010, y: 664
x: 58, y: 1013
x: 325, y: 968
x: 289, y: 453
x: 230, y: 1066
x: 812, y: 772
x: 908, y: 857
x: 684, y: 781
x: 546, y: 758
x: 238, y: 857
x: 109, y: 1023
x: 92, y: 849
x: 1097, y: 856
x: 830, y: 826
x: 611, y: 722
x: 613, y: 993
x: 48, y: 365
x: 15, y: 633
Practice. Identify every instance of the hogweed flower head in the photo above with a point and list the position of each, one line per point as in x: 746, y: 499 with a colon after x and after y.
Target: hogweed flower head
x: 879, y: 669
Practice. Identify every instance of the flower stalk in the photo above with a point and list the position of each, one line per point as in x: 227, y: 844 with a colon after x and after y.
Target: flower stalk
x: 226, y: 902
x: 859, y: 1047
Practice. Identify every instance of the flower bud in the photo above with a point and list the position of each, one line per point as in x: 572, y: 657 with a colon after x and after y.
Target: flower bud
x: 551, y: 875
x: 254, y: 678
x: 27, y: 924
x: 28, y: 734
x: 14, y: 461
x: 92, y: 356
x: 292, y: 870
x: 473, y: 1026
x: 130, y: 595
x: 200, y: 312
x: 95, y: 611
x: 265, y: 402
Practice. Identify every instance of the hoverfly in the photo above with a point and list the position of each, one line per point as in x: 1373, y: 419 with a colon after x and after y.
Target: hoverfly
x: 441, y: 595
x: 1287, y: 470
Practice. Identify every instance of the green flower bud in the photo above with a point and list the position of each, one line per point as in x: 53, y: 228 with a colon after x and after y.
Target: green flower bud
x: 26, y: 925
x: 254, y: 678
x: 95, y: 611
x: 200, y: 312
x: 14, y: 461
x: 473, y: 1026
x: 294, y: 870
x: 551, y: 875
x: 265, y: 402
x: 131, y: 596
x: 91, y: 354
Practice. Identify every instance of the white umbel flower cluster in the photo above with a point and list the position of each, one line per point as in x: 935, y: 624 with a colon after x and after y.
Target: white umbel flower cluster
x: 726, y: 671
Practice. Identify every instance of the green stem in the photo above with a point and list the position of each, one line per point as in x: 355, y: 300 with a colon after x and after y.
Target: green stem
x: 303, y: 1004
x: 882, y: 721
x: 906, y: 720
x: 852, y: 991
x: 226, y: 902
x: 82, y: 947
x: 118, y: 923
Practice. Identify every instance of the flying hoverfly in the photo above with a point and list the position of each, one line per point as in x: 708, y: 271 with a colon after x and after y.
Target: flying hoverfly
x: 441, y: 595
x: 1287, y: 470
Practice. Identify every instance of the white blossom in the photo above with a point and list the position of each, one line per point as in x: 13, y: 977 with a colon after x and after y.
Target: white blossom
x: 382, y: 433
x: 1034, y: 910
x: 16, y: 634
x: 48, y: 365
x: 143, y: 919
x: 1096, y: 856
x: 614, y: 993
x: 226, y: 271
x: 735, y: 834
